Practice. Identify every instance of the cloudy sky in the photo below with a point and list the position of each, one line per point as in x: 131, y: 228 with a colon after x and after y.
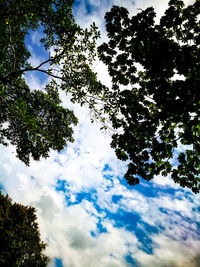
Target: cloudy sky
x: 87, y: 214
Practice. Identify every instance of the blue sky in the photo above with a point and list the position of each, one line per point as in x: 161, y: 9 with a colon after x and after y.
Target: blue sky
x: 87, y: 213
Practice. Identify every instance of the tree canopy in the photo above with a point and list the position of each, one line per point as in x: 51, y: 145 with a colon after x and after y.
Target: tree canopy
x: 34, y: 120
x: 155, y: 72
x: 154, y: 100
x: 20, y: 243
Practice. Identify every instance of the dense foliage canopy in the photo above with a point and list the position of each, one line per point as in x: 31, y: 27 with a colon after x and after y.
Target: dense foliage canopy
x: 34, y: 120
x: 154, y: 100
x: 20, y: 243
x: 155, y: 70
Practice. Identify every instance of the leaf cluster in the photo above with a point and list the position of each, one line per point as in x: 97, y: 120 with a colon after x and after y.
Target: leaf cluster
x: 19, y: 235
x: 155, y: 74
x: 34, y: 120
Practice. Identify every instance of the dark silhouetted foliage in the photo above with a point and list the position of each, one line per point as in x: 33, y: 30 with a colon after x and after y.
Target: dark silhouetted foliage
x: 20, y: 243
x: 155, y: 70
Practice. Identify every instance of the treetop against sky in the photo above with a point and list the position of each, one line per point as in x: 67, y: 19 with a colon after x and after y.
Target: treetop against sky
x: 84, y: 205
x: 156, y: 106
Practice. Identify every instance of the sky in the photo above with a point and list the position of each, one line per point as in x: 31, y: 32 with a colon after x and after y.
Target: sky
x: 87, y: 214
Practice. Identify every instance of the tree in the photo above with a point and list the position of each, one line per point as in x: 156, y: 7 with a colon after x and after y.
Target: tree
x: 154, y: 99
x: 20, y: 243
x: 34, y: 120
x: 155, y: 74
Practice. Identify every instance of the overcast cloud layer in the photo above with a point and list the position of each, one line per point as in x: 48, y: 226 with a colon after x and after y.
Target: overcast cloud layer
x: 87, y: 214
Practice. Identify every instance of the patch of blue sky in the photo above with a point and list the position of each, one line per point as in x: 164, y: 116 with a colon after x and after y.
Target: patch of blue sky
x: 108, y: 175
x: 131, y: 261
x: 61, y: 185
x: 89, y: 196
x: 196, y: 209
x: 166, y: 211
x: 97, y: 207
x: 116, y: 198
x: 188, y: 195
x: 33, y: 38
x: 124, y: 182
x: 149, y: 228
x: 64, y: 186
x: 107, y: 172
x: 99, y: 230
x: 147, y: 189
x: 121, y: 219
x: 37, y: 49
x: 100, y: 227
x: 128, y: 220
x: 93, y: 234
x: 106, y: 168
x: 90, y: 7
x: 58, y: 262
x: 132, y: 222
x: 108, y: 187
x: 198, y: 229
x: 145, y: 242
x: 153, y: 192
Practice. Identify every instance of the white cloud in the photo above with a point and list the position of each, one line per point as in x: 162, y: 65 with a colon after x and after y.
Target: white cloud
x: 68, y: 229
x: 95, y: 2
x: 165, y: 182
x: 34, y: 60
x: 36, y: 36
x: 34, y: 82
x: 170, y: 253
